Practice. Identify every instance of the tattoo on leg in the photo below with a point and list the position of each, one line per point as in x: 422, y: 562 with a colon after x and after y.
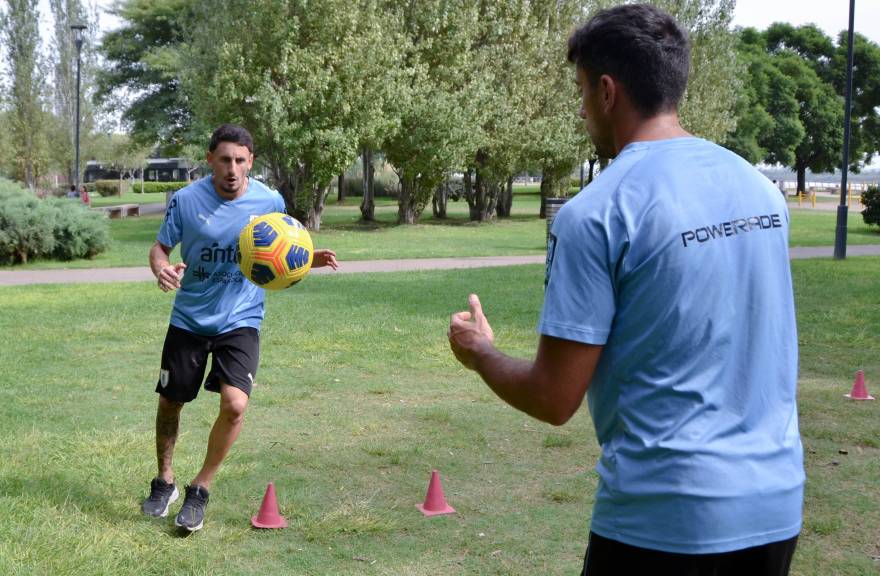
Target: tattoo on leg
x: 167, y: 422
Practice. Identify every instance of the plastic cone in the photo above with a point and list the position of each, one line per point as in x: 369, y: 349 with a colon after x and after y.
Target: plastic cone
x: 435, y: 501
x: 269, y: 516
x: 859, y: 390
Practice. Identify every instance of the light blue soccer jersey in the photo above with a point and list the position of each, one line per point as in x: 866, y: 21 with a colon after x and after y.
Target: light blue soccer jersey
x: 214, y: 296
x: 676, y: 260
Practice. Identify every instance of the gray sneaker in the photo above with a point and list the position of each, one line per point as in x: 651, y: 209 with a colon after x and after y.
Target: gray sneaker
x: 162, y: 494
x: 192, y: 513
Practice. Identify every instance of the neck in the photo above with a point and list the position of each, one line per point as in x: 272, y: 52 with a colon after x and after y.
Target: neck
x: 662, y: 126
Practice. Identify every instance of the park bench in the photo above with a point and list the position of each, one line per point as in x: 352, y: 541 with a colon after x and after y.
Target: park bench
x: 120, y: 210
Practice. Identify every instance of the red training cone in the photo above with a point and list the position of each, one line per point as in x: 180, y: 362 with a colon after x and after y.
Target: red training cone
x: 269, y: 516
x: 435, y: 502
x: 859, y: 390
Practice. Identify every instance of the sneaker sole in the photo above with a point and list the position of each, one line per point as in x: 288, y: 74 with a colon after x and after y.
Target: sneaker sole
x: 188, y: 528
x: 174, y: 496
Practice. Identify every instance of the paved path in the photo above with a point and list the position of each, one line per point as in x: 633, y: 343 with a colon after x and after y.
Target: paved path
x: 96, y: 275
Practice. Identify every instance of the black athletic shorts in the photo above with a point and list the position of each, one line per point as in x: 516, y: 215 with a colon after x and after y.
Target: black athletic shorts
x: 234, y: 359
x: 610, y: 557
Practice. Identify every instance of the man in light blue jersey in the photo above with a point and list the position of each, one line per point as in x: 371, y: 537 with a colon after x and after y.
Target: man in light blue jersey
x: 669, y: 303
x: 216, y: 312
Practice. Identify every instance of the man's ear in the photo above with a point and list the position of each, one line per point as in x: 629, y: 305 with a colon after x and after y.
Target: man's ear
x: 607, y: 93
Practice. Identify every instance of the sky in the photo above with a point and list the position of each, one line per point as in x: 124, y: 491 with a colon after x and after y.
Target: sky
x: 832, y: 16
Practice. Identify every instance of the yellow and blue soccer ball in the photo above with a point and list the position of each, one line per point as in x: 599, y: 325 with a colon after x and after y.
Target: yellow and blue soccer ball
x: 276, y: 251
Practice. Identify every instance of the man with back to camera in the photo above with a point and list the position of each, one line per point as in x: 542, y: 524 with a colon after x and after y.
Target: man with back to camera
x: 216, y: 311
x: 669, y: 302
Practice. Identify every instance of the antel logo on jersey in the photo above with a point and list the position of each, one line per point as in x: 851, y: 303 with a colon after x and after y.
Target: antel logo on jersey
x: 216, y: 254
x: 731, y: 228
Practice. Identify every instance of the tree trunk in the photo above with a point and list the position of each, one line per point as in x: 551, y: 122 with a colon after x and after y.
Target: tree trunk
x: 470, y: 195
x: 801, y: 169
x: 439, y: 201
x: 340, y: 189
x: 316, y: 210
x: 505, y: 199
x: 485, y: 198
x: 592, y: 166
x: 406, y: 202
x: 368, y: 204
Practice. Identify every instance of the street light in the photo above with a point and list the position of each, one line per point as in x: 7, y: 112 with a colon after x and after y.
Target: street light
x: 842, y: 209
x: 78, y: 31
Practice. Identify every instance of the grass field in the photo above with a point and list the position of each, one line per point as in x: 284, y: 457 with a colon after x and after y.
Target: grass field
x: 358, y: 398
x: 524, y: 233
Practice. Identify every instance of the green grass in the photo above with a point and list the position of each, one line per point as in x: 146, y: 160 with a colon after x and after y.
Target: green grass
x: 523, y: 233
x: 817, y: 228
x: 357, y: 399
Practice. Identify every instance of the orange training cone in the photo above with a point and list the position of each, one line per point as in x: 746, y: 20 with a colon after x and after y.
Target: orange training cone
x: 859, y: 390
x: 435, y: 502
x: 269, y: 516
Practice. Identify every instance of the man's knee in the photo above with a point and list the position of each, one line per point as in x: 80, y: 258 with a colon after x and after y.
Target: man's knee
x: 233, y: 403
x: 167, y: 406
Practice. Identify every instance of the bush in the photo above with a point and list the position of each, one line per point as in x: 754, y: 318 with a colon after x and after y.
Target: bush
x: 105, y: 188
x: 57, y: 228
x: 871, y: 202
x: 160, y: 187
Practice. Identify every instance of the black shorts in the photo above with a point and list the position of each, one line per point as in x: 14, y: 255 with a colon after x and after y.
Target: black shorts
x: 234, y: 359
x: 605, y: 556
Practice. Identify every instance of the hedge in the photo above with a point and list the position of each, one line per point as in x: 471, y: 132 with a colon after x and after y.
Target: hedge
x: 157, y: 187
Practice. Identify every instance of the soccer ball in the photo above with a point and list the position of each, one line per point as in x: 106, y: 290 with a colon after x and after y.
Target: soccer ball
x: 276, y: 251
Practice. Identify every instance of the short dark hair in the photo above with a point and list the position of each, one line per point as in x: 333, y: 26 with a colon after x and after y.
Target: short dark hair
x: 231, y: 133
x: 640, y: 46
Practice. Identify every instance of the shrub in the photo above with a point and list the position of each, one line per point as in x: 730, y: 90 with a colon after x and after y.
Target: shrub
x: 871, y: 202
x: 160, y: 187
x: 108, y: 187
x: 58, y: 228
x: 78, y: 232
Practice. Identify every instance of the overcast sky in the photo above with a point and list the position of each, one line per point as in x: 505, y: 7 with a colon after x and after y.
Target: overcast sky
x: 832, y: 16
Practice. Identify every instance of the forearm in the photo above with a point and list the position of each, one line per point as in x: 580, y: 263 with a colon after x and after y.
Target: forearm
x: 517, y: 382
x: 158, y: 259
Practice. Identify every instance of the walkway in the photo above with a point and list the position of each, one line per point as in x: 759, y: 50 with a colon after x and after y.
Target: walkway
x: 143, y: 274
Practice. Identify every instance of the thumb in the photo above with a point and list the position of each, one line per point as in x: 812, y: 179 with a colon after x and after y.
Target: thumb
x: 475, y: 307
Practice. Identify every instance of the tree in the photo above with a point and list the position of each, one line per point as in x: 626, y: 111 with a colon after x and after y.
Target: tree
x: 433, y: 98
x: 307, y: 81
x: 788, y: 63
x: 19, y: 31
x: 829, y: 62
x: 865, y: 119
x: 768, y: 127
x: 555, y: 139
x: 821, y: 114
x: 707, y: 109
x: 142, y: 71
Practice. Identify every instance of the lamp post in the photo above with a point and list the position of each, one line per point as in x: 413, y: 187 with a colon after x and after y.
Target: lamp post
x: 842, y: 208
x: 78, y: 31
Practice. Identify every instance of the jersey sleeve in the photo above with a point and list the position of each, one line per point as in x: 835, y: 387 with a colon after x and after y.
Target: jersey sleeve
x: 579, y: 298
x: 279, y: 203
x: 170, y: 231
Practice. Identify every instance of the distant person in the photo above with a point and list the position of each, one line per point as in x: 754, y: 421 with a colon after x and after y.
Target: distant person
x: 216, y: 312
x: 84, y: 196
x: 669, y: 302
x: 71, y: 193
